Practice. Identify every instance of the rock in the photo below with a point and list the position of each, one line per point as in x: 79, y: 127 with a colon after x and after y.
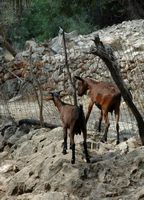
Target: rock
x: 10, y: 87
x: 8, y: 56
x: 30, y: 44
x: 123, y: 146
x: 114, y: 41
x: 18, y: 132
x: 139, y: 45
x: 55, y: 76
x: 56, y: 44
x: 104, y: 147
x: 132, y: 143
x: 5, y: 168
x: 35, y: 57
x: 44, y: 196
x: 71, y: 35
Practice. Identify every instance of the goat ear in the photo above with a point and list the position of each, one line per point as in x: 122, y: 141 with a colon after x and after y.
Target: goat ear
x: 51, y: 93
x: 79, y: 78
x: 59, y: 91
x: 47, y: 98
x: 63, y: 94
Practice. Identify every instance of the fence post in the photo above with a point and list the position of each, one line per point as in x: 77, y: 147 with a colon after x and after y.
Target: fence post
x: 73, y: 82
x: 39, y: 99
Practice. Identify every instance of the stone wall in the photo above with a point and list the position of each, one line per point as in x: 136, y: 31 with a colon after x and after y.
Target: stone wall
x: 48, y: 59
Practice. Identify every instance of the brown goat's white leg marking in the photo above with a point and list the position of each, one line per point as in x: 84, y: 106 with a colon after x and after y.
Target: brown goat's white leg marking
x: 89, y: 110
x: 71, y: 134
x: 106, y: 119
x: 117, y: 115
x: 65, y: 140
x: 85, y: 144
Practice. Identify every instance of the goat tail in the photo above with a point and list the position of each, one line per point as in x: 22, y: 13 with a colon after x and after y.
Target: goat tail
x: 81, y: 122
x: 81, y: 109
x: 81, y: 112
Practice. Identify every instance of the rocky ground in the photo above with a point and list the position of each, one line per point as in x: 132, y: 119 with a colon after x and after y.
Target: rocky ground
x: 32, y: 166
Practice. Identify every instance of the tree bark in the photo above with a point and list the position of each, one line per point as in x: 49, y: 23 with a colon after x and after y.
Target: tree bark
x: 5, y: 43
x: 69, y: 74
x: 107, y: 56
x: 9, y: 47
x: 135, y: 8
x: 35, y: 80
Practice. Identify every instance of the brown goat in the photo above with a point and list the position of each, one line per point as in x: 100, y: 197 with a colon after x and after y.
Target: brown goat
x: 106, y: 97
x: 73, y: 119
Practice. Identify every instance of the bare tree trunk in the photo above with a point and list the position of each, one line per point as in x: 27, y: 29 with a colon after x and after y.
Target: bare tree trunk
x: 9, y: 48
x: 113, y: 67
x: 5, y: 43
x: 33, y: 80
x: 69, y: 74
x: 20, y: 8
x: 135, y: 8
x: 28, y: 3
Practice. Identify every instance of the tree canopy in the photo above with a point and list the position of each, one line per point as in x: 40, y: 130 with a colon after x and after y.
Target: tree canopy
x: 25, y: 19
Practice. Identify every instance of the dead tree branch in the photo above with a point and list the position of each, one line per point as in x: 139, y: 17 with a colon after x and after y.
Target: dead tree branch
x: 35, y: 122
x: 106, y: 54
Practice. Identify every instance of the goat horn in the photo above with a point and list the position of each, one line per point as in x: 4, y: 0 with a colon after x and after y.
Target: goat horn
x: 55, y: 92
x: 59, y: 91
x: 79, y: 78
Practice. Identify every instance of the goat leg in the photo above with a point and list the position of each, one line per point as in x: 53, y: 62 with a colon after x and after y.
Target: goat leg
x: 65, y: 147
x: 117, y: 128
x: 85, y: 143
x: 104, y: 139
x: 86, y: 152
x: 65, y: 142
x: 89, y: 110
x: 117, y: 114
x: 73, y: 154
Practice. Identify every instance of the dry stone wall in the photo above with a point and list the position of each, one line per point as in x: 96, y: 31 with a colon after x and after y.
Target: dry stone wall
x: 48, y: 59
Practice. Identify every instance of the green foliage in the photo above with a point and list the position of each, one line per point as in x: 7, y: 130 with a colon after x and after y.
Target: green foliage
x: 106, y: 12
x: 42, y: 20
x: 45, y: 17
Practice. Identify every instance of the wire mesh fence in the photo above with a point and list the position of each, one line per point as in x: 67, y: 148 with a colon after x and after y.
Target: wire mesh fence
x: 132, y: 73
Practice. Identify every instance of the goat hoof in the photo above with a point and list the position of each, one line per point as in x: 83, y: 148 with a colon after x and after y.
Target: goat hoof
x: 117, y: 142
x: 88, y: 160
x: 64, y: 152
x: 103, y: 140
x: 72, y: 161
